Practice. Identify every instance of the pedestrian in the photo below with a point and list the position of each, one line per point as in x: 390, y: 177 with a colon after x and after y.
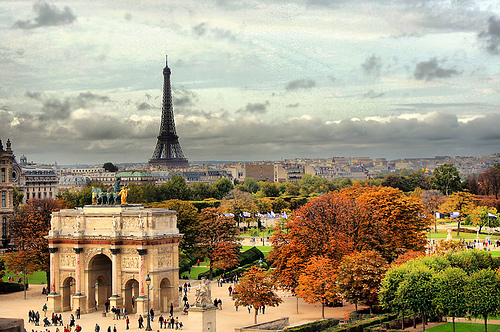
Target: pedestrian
x: 128, y: 322
x: 152, y: 313
x: 230, y: 289
x: 133, y: 302
x: 71, y: 321
x: 109, y: 328
x: 114, y: 328
x: 160, y: 319
x: 249, y: 308
x: 60, y: 320
x: 171, y: 309
x: 97, y: 328
x: 198, y: 261
x: 263, y: 307
x: 78, y: 313
x: 44, y: 309
x: 219, y: 304
x: 176, y: 323
x: 124, y: 310
x: 216, y: 303
x: 140, y: 321
x: 172, y: 322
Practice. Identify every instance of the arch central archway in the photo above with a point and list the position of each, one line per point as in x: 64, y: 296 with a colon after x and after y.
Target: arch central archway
x: 166, y: 294
x: 100, y: 276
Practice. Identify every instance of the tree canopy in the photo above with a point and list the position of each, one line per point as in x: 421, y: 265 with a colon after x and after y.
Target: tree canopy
x: 446, y: 179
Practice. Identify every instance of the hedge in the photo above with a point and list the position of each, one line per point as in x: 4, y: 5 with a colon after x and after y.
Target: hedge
x: 361, y: 325
x: 318, y: 326
x: 200, y: 205
x: 251, y: 255
x: 10, y: 287
x: 186, y: 262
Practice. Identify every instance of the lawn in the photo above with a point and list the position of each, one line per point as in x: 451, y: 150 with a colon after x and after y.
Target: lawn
x: 442, y: 234
x: 37, y: 278
x: 195, y: 271
x: 463, y: 327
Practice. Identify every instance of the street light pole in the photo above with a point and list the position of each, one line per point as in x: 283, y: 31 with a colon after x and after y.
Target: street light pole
x: 148, y: 282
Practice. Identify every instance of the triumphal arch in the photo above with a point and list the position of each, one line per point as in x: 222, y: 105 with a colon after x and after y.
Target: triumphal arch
x: 102, y: 253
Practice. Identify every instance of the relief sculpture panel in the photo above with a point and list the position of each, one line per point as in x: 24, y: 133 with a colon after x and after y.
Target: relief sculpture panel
x: 165, y: 261
x: 67, y: 260
x: 130, y: 262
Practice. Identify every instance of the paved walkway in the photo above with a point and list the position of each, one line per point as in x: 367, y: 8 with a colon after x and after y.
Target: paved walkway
x: 14, y: 306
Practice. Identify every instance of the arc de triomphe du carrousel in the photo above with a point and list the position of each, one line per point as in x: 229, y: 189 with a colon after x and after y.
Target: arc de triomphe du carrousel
x: 102, y: 253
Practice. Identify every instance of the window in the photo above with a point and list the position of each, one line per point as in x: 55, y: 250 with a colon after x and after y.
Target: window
x: 4, y: 199
x: 4, y: 227
x: 3, y: 174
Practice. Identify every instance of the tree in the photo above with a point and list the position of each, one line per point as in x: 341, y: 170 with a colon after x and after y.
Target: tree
x: 432, y: 199
x: 268, y: 189
x: 359, y: 276
x: 187, y: 222
x: 200, y: 191
x: 480, y: 217
x: 30, y: 225
x: 450, y: 297
x: 175, y: 188
x: 222, y: 187
x: 461, y: 202
x: 483, y: 294
x: 256, y: 289
x: 250, y: 185
x: 317, y: 283
x: 217, y: 239
x: 109, y: 167
x: 417, y: 292
x: 237, y: 202
x: 489, y: 181
x: 446, y: 179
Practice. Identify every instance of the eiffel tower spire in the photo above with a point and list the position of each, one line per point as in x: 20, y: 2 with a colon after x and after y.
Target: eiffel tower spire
x: 168, y: 151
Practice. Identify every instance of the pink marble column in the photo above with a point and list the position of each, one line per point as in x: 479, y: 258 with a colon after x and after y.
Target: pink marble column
x: 114, y: 271
x: 78, y: 278
x: 142, y: 254
x: 52, y: 252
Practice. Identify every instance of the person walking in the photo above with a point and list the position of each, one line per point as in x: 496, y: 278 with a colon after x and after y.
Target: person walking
x: 160, y: 319
x: 78, y: 311
x: 171, y: 309
x: 114, y: 328
x: 127, y: 321
x: 97, y: 328
x: 152, y: 313
x: 140, y: 321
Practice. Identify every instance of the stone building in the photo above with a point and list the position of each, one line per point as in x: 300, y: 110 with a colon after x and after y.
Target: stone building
x: 9, y: 177
x: 102, y: 253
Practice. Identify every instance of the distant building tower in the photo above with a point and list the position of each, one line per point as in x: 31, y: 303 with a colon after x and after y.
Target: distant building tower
x: 168, y: 151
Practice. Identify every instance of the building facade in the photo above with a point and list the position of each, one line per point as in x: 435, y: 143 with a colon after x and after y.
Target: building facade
x: 9, y: 177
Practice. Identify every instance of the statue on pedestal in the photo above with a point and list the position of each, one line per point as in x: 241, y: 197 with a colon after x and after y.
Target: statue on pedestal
x: 204, y: 294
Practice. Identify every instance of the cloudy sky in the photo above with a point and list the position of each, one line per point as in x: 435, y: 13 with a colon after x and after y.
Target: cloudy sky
x: 81, y: 81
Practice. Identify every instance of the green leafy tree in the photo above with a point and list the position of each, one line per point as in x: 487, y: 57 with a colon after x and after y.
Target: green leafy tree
x: 450, y: 299
x: 110, y: 167
x: 268, y: 189
x: 359, y: 277
x: 417, y: 292
x: 483, y: 294
x: 222, y: 187
x: 251, y: 185
x: 446, y: 179
x: 201, y: 191
x: 237, y: 202
x: 256, y: 289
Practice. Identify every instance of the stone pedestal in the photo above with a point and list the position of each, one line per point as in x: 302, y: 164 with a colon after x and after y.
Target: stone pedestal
x: 203, y: 319
x: 141, y: 303
x: 54, y: 303
x: 116, y: 301
x: 80, y: 301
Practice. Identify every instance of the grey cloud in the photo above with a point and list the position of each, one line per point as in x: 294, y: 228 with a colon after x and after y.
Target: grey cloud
x: 128, y: 16
x: 260, y: 108
x: 292, y: 105
x: 300, y: 84
x: 372, y: 65
x: 184, y: 98
x: 372, y: 94
x: 54, y: 109
x: 492, y: 36
x: 144, y: 106
x: 34, y: 95
x: 88, y: 96
x: 47, y: 15
x: 429, y: 70
x: 200, y: 29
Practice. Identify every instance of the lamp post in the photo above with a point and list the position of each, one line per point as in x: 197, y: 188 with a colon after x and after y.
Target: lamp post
x: 148, y: 282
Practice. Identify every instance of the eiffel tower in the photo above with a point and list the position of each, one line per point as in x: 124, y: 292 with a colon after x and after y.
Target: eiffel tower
x: 168, y: 152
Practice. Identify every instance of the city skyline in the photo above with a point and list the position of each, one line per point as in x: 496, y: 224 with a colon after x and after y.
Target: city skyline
x: 252, y: 80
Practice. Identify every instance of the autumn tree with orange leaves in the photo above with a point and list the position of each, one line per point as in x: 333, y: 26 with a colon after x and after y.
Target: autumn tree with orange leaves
x: 336, y: 224
x: 217, y: 239
x: 317, y: 282
x: 359, y: 277
x: 28, y: 228
x: 256, y: 289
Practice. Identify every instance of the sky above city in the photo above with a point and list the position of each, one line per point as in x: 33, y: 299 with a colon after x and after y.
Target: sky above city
x: 81, y: 81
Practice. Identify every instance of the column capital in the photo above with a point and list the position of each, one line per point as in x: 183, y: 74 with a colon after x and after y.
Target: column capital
x: 142, y: 252
x: 115, y: 251
x: 53, y: 250
x: 78, y: 250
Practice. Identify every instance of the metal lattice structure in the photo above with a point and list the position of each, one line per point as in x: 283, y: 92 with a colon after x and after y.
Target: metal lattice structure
x: 168, y: 150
